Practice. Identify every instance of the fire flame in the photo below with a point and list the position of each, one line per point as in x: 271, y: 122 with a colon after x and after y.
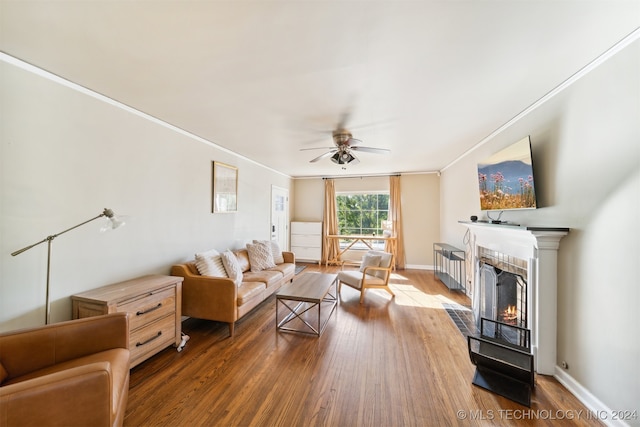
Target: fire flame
x: 510, y: 314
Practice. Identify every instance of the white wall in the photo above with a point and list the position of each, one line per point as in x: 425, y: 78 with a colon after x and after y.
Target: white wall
x: 586, y: 149
x: 421, y: 218
x: 308, y: 199
x: 65, y: 156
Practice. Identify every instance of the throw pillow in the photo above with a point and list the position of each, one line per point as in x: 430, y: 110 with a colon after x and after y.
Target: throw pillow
x: 385, y: 261
x: 209, y: 263
x: 260, y: 256
x: 232, y: 266
x: 275, y: 250
x: 370, y: 260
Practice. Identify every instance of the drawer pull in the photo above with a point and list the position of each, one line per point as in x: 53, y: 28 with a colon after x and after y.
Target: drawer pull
x: 149, y: 310
x: 149, y: 340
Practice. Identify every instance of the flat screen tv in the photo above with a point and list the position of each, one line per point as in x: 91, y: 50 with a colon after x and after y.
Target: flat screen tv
x: 506, y: 179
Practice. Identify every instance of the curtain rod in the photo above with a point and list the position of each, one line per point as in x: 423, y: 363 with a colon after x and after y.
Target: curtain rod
x: 360, y: 176
x: 367, y: 176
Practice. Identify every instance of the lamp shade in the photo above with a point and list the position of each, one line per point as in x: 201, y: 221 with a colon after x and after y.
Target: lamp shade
x: 113, y: 221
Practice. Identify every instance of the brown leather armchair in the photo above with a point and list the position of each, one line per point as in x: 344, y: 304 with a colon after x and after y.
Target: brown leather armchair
x: 73, y: 373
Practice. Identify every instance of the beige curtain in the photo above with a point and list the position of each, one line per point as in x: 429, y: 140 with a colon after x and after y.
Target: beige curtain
x: 395, y: 215
x: 331, y: 248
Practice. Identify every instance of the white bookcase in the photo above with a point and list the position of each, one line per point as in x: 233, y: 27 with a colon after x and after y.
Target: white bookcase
x: 306, y: 241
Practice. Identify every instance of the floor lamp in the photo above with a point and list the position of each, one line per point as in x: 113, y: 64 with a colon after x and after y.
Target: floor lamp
x: 114, y: 222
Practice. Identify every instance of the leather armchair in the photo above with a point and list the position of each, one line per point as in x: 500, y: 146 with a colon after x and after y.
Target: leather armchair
x: 73, y: 373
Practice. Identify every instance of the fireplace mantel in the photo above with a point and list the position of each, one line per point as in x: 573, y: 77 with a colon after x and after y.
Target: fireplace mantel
x: 539, y: 246
x: 516, y: 227
x: 516, y: 240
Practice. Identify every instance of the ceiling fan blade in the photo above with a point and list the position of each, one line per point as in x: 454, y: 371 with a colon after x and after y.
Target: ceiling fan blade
x: 371, y: 150
x: 369, y: 126
x: 327, y: 154
x: 353, y: 141
x: 344, y: 119
x: 318, y: 148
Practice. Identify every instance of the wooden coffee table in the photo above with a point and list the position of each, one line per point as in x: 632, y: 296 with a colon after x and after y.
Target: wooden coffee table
x: 307, y: 292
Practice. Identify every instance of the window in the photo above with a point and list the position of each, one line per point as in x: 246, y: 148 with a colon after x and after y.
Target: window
x: 362, y: 214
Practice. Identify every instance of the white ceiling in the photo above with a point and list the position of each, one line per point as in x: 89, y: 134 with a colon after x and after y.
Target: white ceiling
x: 426, y: 79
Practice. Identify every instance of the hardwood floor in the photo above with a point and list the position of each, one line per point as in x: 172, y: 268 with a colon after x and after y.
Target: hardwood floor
x: 386, y: 362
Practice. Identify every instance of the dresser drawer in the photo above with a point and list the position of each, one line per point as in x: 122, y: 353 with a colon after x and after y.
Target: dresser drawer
x: 149, y: 308
x: 152, y: 338
x: 306, y: 228
x: 309, y: 240
x: 306, y: 253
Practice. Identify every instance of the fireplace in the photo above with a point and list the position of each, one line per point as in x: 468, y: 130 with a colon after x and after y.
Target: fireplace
x: 502, y: 291
x: 513, y: 278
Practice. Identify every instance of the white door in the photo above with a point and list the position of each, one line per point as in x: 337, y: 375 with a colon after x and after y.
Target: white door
x: 280, y: 216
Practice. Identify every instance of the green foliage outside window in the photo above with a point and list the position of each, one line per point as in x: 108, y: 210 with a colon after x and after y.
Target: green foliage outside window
x: 362, y: 213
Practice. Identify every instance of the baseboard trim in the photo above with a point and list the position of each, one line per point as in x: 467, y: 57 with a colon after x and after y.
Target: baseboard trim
x: 418, y: 267
x: 597, y: 408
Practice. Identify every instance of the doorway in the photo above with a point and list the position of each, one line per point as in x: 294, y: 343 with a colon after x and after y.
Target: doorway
x: 280, y: 216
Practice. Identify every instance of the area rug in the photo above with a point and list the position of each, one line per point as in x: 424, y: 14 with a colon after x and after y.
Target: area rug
x: 299, y: 268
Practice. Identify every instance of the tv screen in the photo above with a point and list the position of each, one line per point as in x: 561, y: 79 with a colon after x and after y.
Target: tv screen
x: 506, y: 179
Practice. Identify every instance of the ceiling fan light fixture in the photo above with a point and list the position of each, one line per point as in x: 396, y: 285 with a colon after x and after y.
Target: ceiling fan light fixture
x: 342, y: 158
x: 341, y: 154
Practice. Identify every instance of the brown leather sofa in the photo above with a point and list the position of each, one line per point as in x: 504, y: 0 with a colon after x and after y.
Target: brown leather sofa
x: 219, y: 299
x: 73, y: 373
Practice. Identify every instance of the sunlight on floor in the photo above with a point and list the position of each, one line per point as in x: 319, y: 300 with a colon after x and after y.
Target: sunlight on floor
x: 409, y: 295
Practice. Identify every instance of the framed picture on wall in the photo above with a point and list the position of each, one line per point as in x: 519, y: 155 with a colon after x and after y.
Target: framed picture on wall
x: 225, y: 188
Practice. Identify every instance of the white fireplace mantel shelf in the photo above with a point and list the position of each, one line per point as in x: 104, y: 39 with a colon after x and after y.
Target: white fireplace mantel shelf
x: 508, y: 225
x: 539, y: 246
x: 516, y: 240
x: 517, y: 228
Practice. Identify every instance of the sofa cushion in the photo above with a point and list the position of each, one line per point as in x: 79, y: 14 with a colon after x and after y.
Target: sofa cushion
x: 286, y: 268
x: 191, y: 267
x: 3, y: 373
x: 243, y: 259
x: 209, y: 263
x: 269, y: 277
x: 278, y: 258
x: 232, y: 267
x: 260, y: 256
x: 354, y: 278
x: 249, y: 290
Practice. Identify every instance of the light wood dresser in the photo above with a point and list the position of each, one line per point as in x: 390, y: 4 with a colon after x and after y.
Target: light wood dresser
x: 154, y: 305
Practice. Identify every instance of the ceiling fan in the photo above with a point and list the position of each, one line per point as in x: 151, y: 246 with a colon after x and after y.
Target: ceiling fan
x: 345, y: 145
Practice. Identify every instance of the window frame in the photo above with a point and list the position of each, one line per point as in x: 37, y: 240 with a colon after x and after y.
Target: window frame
x: 376, y: 244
